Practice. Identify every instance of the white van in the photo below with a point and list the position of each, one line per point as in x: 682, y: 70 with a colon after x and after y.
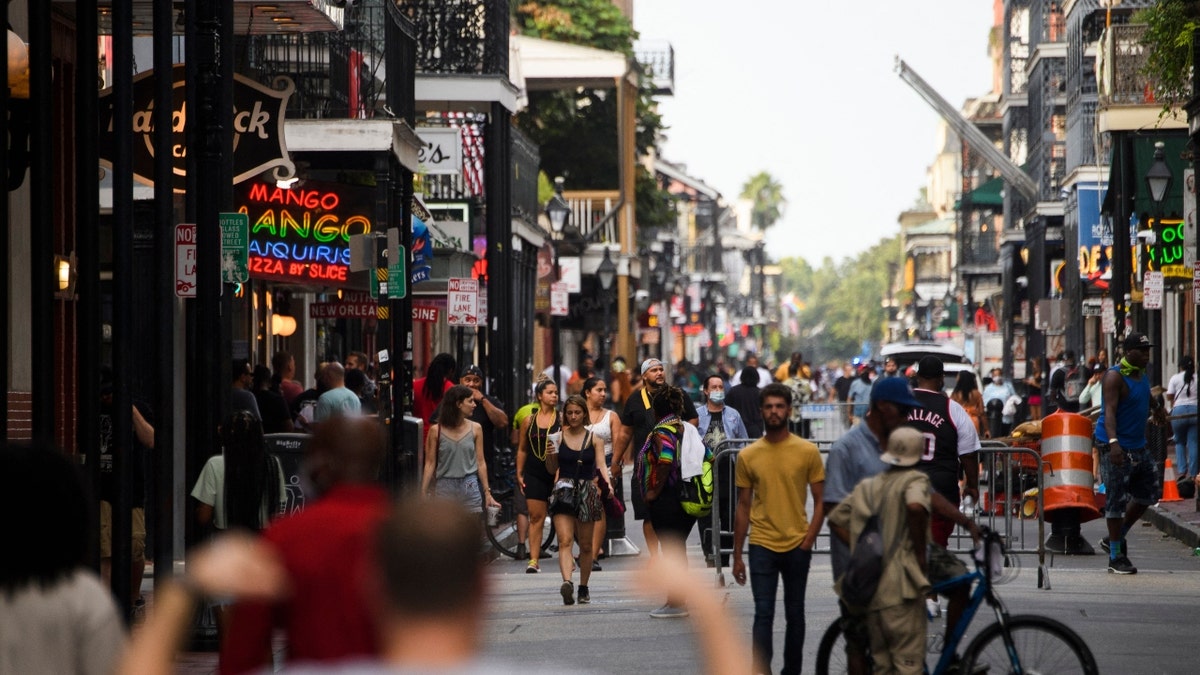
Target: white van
x: 906, y: 355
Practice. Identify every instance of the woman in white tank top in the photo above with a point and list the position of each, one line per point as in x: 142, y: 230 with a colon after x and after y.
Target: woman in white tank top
x: 606, y: 425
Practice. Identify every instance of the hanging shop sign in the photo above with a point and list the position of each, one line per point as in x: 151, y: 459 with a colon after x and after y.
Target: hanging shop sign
x: 1168, y: 252
x: 258, y: 140
x: 302, y: 234
x: 441, y: 150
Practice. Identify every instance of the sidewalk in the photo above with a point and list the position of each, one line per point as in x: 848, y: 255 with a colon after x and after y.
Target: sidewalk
x: 1180, y: 520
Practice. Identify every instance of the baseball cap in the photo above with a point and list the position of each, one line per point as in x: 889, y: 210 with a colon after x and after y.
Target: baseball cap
x: 1097, y: 367
x: 650, y: 363
x: 904, y: 447
x: 894, y: 390
x: 472, y: 370
x: 1137, y: 341
x: 930, y: 367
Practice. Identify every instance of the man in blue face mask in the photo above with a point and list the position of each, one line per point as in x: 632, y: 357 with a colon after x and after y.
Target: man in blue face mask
x: 716, y: 422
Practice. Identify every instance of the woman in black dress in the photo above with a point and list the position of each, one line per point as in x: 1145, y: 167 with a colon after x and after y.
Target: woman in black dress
x: 534, y: 478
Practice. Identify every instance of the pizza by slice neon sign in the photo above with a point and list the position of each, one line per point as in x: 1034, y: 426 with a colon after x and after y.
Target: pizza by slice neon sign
x: 302, y: 235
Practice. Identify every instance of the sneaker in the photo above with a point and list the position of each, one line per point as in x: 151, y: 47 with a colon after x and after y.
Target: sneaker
x: 1104, y: 544
x: 1121, y: 565
x: 568, y: 592
x: 955, y: 667
x: 532, y: 567
x: 521, y: 552
x: 596, y: 566
x: 584, y: 596
x: 669, y: 612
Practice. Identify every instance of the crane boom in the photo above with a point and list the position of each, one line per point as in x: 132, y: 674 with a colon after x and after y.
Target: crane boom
x: 971, y: 135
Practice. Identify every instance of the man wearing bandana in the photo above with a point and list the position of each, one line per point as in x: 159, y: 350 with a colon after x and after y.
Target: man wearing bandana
x: 1129, y: 470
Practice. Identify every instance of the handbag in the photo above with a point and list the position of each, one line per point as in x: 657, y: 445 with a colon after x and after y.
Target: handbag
x: 613, y: 508
x: 565, y: 497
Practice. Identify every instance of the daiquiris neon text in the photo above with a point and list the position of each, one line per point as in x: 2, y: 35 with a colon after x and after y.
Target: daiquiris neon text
x: 303, y: 234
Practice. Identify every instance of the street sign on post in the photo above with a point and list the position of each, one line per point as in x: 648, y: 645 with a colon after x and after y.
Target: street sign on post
x: 462, y: 301
x: 235, y: 248
x: 185, y: 260
x: 560, y: 299
x: 1152, y: 289
x: 397, y: 264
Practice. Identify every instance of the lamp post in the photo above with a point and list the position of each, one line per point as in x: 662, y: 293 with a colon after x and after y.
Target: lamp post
x: 1158, y: 180
x: 606, y: 274
x: 559, y: 212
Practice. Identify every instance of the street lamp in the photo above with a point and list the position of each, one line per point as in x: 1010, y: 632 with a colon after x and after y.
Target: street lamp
x: 606, y: 274
x: 1158, y: 180
x: 559, y: 212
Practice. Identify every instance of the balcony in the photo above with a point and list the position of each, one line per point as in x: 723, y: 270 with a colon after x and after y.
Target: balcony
x: 594, y: 213
x: 338, y: 75
x: 657, y: 60
x: 1127, y: 97
x: 459, y: 37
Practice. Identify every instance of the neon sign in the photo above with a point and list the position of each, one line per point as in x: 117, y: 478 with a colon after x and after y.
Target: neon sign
x: 302, y: 234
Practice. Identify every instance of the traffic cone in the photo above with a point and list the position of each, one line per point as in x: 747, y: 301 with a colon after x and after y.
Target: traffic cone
x: 1170, y: 491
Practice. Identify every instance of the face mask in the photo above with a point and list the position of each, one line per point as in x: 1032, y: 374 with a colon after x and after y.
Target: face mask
x: 998, y: 380
x: 717, y: 396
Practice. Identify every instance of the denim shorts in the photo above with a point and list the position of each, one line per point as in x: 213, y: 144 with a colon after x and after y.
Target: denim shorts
x: 1135, y: 480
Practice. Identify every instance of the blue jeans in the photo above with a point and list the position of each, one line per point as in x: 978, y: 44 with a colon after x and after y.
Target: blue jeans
x: 1185, y: 440
x: 766, y: 566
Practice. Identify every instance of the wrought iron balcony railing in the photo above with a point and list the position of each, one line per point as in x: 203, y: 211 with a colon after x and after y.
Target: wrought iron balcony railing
x: 524, y: 179
x: 337, y: 74
x: 658, y: 62
x: 463, y: 37
x: 1121, y: 75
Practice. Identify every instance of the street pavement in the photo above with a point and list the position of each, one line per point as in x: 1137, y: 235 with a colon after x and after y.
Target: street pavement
x: 1139, y: 624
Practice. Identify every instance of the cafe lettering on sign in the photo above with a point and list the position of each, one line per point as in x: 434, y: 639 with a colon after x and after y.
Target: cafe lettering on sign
x: 258, y: 115
x: 303, y: 234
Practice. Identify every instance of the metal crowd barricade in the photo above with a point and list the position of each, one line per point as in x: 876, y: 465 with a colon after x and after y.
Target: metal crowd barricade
x: 1011, y: 492
x: 825, y: 422
x: 725, y: 501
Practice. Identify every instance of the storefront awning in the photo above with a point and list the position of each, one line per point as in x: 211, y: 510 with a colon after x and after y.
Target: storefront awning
x: 989, y: 195
x: 1143, y: 157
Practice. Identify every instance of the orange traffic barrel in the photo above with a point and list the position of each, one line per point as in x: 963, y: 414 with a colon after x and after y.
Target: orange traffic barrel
x: 1067, y: 465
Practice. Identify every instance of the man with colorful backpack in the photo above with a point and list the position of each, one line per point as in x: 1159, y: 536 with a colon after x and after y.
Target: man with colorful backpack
x: 774, y: 477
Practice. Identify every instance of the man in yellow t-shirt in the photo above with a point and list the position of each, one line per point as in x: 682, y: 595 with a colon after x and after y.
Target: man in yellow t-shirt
x: 774, y: 477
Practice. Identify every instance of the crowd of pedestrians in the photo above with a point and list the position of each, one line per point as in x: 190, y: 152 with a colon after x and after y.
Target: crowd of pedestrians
x: 909, y: 458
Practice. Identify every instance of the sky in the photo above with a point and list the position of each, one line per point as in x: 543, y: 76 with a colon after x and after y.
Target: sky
x: 807, y: 91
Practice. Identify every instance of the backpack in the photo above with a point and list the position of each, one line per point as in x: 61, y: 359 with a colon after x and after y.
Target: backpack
x: 695, y: 493
x: 1073, y: 385
x: 867, y: 561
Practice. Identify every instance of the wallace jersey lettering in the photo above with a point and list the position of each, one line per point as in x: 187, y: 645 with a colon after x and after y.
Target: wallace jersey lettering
x: 940, y: 459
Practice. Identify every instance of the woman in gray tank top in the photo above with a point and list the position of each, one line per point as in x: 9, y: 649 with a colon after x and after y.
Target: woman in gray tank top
x: 454, y: 453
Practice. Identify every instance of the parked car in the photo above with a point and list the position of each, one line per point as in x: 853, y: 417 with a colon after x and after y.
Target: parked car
x: 906, y: 355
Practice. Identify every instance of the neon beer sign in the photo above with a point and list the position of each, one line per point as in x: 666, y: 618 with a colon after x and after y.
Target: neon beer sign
x: 302, y: 234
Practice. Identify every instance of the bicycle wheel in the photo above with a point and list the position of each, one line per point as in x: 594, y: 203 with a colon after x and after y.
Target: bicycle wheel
x: 503, y: 534
x: 831, y: 654
x: 1040, y: 644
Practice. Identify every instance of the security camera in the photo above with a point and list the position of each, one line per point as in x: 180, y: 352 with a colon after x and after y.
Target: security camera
x: 641, y: 295
x: 1147, y: 237
x: 1023, y: 281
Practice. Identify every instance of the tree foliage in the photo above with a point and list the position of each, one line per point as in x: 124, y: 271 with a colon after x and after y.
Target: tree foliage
x: 1170, y: 25
x: 766, y: 195
x: 576, y: 130
x: 841, y: 302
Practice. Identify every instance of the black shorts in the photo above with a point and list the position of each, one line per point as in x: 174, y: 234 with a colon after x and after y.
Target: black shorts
x: 635, y: 498
x: 538, y: 484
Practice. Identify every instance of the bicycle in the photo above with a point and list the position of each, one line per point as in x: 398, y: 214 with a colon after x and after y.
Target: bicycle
x: 1018, y: 644
x: 503, y: 481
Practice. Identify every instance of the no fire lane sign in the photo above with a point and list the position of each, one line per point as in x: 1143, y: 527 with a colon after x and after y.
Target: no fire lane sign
x: 185, y: 260
x: 462, y: 300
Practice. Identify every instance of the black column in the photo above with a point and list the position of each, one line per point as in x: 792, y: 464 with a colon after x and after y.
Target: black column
x: 162, y: 504
x: 123, y: 216
x: 501, y: 324
x: 41, y: 212
x: 87, y: 243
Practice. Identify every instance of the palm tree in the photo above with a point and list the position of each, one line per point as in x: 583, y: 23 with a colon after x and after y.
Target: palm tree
x: 767, y: 196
